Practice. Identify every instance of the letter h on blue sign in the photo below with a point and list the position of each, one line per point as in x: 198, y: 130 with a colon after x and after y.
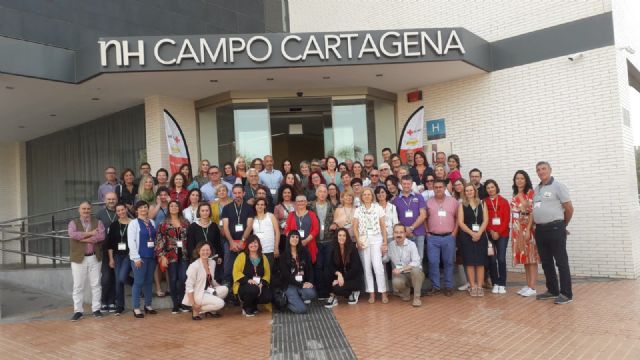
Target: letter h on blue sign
x: 436, y: 129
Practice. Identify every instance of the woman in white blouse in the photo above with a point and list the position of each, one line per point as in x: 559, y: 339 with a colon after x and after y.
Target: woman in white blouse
x: 370, y: 231
x: 190, y: 213
x: 266, y: 227
x: 390, y: 213
x: 202, y: 292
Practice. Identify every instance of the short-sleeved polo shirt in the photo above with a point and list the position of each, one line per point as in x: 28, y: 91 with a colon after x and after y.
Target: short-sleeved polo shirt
x: 410, y: 205
x: 548, y: 200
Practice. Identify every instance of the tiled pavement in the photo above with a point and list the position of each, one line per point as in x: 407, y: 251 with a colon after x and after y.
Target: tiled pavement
x: 603, y: 322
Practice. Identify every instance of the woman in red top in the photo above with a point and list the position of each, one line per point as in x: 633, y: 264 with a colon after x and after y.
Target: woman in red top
x: 498, y: 231
x: 454, y: 168
x: 178, y: 190
x: 306, y: 223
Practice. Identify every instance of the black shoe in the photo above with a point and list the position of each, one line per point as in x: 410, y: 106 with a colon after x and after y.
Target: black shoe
x: 184, y: 308
x: 77, y: 316
x: 546, y: 296
x: 97, y: 314
x: 433, y: 292
x: 104, y: 308
x: 139, y: 315
x: 119, y: 310
x: 213, y: 314
x: 149, y: 310
x: 113, y: 308
x: 562, y: 299
x: 175, y: 310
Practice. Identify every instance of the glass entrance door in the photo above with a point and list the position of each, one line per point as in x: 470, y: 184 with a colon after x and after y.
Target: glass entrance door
x: 299, y: 128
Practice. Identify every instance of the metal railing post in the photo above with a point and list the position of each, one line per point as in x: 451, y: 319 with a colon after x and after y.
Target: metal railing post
x: 54, y: 240
x: 23, y: 245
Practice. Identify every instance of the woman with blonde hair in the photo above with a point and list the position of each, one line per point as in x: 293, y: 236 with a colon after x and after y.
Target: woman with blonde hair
x: 145, y: 190
x: 222, y: 200
x: 343, y: 215
x: 241, y: 169
x: 473, y: 219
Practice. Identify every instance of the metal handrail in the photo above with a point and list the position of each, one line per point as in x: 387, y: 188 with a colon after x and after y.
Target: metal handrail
x: 54, y: 258
x: 7, y: 222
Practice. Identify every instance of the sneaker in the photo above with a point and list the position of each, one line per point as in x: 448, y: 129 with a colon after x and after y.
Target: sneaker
x: 521, y: 291
x: 353, y: 299
x: 97, y: 314
x: 331, y: 302
x: 175, y: 310
x: 307, y: 302
x: 529, y: 292
x: 112, y: 308
x: 495, y: 289
x: 562, y: 299
x: 356, y: 295
x: 104, y: 308
x: 77, y: 316
x: 433, y: 292
x: 546, y: 296
x: 248, y: 314
x: 416, y: 302
x: 184, y: 308
x: 464, y: 287
x: 119, y: 310
x: 502, y: 290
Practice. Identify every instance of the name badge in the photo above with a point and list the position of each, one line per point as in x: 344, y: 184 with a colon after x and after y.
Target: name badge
x: 442, y: 213
x: 150, y: 244
x: 210, y: 290
x: 399, y: 266
x: 239, y: 227
x: 273, y: 191
x: 122, y: 246
x: 475, y: 227
x: 179, y: 244
x: 256, y: 279
x: 299, y: 278
x: 547, y: 194
x: 495, y: 221
x: 301, y: 234
x: 537, y: 204
x: 516, y: 215
x: 408, y: 213
x: 221, y: 223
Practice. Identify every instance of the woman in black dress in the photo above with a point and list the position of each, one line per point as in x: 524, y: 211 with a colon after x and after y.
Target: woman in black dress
x: 472, y: 220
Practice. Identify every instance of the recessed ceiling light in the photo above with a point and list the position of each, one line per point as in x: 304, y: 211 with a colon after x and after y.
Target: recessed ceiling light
x: 53, y: 115
x: 326, y: 77
x: 269, y: 79
x: 213, y: 80
x: 95, y: 99
x: 378, y: 75
x: 21, y: 126
x: 9, y: 87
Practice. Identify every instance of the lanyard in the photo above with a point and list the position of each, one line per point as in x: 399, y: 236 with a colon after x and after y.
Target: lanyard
x: 475, y: 212
x: 406, y: 203
x: 494, y: 206
x: 111, y: 218
x: 205, y: 232
x: 238, y: 210
x: 148, y: 230
x: 300, y: 219
x: 122, y: 232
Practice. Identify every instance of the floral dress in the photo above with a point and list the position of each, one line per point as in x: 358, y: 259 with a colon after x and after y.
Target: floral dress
x: 167, y: 244
x: 524, y: 246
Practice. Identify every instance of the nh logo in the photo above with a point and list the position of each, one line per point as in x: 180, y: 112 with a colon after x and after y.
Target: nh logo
x: 122, y: 52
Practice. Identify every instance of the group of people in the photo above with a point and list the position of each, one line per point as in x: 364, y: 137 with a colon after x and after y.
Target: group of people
x: 252, y: 234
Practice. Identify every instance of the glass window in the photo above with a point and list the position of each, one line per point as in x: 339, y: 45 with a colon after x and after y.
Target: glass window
x: 252, y: 133
x: 350, y: 140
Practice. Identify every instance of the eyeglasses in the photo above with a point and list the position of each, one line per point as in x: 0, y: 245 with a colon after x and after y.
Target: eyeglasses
x: 368, y: 159
x: 374, y: 175
x: 429, y: 181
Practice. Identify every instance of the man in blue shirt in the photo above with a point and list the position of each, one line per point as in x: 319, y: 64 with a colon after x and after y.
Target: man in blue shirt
x: 208, y: 190
x: 270, y: 177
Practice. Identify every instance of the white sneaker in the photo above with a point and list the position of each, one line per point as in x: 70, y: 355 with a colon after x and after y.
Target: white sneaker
x: 331, y: 302
x: 464, y: 287
x: 495, y: 289
x: 529, y: 292
x: 521, y: 291
x: 502, y: 290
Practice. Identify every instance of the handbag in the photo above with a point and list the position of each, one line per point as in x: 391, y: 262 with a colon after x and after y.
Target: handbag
x: 491, y: 251
x: 363, y: 241
x: 280, y: 300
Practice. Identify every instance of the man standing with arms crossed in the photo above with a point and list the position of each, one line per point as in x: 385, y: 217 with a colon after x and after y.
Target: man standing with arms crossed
x: 237, y: 222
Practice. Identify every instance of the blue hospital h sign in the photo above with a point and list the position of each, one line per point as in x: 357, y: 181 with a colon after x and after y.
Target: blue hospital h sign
x: 436, y: 129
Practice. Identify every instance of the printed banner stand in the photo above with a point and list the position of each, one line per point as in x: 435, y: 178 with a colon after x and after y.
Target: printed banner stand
x: 412, y: 136
x: 178, y: 150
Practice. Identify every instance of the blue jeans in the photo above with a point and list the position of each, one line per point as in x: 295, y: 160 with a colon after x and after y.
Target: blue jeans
x: 123, y: 266
x: 296, y: 297
x: 444, y: 246
x: 177, y: 278
x: 419, y: 241
x: 229, y: 259
x: 143, y: 280
x: 320, y: 269
x: 498, y: 262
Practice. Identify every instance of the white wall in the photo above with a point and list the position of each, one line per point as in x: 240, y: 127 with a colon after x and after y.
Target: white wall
x: 13, y: 193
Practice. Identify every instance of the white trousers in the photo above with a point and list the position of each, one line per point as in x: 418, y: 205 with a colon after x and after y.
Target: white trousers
x: 214, y: 302
x: 89, y: 268
x: 372, y: 258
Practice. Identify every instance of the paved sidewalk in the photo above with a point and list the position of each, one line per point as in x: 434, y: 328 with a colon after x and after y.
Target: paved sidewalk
x: 603, y: 322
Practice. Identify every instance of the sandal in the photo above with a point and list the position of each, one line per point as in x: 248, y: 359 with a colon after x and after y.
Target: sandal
x: 372, y: 300
x: 160, y: 294
x: 195, y: 317
x: 385, y: 299
x: 474, y: 292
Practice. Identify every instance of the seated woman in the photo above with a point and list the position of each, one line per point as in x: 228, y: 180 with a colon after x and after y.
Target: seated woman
x: 251, y: 278
x: 203, y: 293
x: 296, y: 273
x: 346, y: 275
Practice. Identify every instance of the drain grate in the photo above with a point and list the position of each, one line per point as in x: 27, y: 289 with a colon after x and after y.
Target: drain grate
x: 316, y: 335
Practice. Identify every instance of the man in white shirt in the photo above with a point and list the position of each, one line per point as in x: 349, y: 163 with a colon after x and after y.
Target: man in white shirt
x: 406, y: 264
x: 270, y: 177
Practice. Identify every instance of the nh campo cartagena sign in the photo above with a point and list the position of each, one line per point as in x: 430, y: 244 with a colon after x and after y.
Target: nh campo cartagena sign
x: 288, y: 50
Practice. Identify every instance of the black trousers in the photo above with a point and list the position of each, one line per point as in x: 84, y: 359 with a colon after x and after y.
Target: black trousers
x: 107, y: 282
x: 551, y: 240
x: 251, y: 296
x: 347, y: 288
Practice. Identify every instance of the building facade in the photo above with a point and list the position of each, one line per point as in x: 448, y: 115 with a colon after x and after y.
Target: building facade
x: 514, y: 83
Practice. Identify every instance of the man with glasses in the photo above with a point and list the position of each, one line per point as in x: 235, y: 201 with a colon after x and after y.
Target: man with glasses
x: 374, y: 176
x: 316, y: 165
x: 385, y: 171
x: 251, y: 189
x: 208, y: 190
x: 109, y: 185
x: 145, y: 169
x: 369, y: 164
x: 475, y: 175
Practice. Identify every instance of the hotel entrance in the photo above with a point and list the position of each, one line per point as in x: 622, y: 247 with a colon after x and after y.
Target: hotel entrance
x: 295, y: 128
